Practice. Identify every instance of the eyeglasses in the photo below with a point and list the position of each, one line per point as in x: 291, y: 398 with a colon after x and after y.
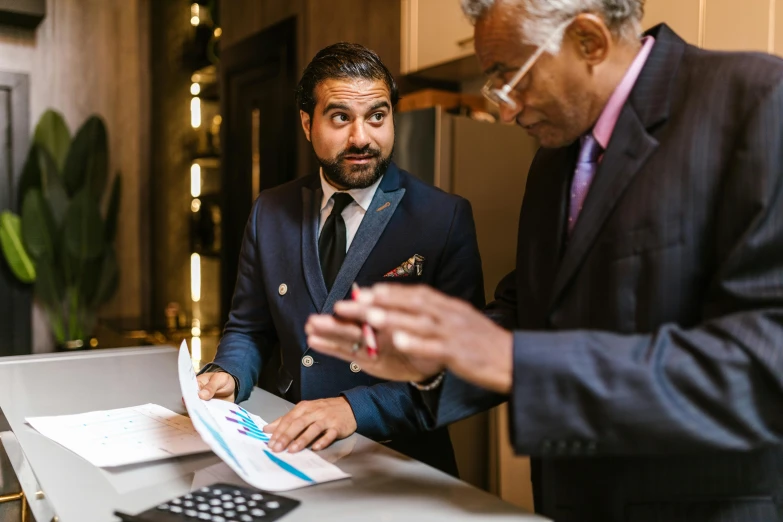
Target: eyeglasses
x: 502, y: 96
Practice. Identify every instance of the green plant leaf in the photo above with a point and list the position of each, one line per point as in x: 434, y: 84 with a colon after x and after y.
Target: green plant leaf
x: 87, y: 163
x: 40, y: 172
x: 31, y: 173
x: 113, y: 210
x: 56, y: 323
x: 38, y: 228
x: 66, y: 263
x: 89, y: 277
x: 83, y: 229
x: 53, y: 187
x: 13, y: 248
x: 52, y: 135
x: 49, y: 286
x: 109, y: 279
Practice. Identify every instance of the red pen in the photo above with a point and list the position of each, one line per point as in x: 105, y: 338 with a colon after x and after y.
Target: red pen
x: 367, y: 332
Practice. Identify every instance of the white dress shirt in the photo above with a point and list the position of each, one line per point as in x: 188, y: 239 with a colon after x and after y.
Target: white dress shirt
x: 353, y: 213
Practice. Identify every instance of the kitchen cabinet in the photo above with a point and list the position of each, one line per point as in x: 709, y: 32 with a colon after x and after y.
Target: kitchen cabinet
x: 433, y: 32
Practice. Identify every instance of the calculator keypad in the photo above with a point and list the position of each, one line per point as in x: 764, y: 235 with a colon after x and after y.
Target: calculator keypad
x: 222, y: 503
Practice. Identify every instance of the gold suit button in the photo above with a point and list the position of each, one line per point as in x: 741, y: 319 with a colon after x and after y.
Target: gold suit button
x: 307, y: 361
x: 283, y: 289
x: 355, y: 368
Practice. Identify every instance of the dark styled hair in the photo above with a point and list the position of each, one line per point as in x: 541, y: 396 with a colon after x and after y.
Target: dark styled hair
x: 342, y: 61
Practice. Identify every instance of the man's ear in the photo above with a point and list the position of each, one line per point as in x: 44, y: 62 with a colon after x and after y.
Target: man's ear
x: 593, y: 39
x: 306, y: 122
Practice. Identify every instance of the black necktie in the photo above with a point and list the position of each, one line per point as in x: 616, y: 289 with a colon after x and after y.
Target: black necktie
x: 331, y: 244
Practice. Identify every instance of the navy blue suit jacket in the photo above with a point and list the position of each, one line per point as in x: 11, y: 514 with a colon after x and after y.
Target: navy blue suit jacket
x: 406, y: 217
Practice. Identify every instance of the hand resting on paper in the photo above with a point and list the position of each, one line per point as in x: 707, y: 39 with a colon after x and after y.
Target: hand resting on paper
x: 319, y: 422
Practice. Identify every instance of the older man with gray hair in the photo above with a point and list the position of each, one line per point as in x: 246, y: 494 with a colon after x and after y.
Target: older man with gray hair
x: 638, y: 341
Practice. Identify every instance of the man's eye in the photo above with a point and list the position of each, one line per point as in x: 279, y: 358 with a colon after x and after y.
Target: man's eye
x: 496, y: 82
x: 342, y: 118
x: 377, y: 117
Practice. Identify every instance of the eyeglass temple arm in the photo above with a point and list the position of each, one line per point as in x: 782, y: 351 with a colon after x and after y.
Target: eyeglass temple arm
x: 533, y: 59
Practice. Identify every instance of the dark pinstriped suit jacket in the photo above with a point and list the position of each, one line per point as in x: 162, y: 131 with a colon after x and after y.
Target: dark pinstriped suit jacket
x: 648, y: 352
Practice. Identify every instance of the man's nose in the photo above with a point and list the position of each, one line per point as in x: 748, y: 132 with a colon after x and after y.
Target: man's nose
x: 359, y: 137
x: 508, y: 113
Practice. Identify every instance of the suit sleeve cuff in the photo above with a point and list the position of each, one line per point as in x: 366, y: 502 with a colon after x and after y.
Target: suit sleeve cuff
x: 364, y: 411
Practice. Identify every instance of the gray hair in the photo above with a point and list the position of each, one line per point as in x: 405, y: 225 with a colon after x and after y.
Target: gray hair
x: 546, y: 17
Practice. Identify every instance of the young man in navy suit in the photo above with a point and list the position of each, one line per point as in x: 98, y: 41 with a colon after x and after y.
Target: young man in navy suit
x: 363, y: 220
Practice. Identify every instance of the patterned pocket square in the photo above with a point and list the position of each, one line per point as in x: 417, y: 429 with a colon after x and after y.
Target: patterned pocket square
x: 412, y: 267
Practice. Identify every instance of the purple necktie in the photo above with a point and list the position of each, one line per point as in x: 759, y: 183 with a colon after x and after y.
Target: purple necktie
x: 586, y: 166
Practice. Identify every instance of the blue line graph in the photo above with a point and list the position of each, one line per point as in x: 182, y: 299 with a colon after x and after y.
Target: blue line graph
x: 288, y: 467
x: 247, y: 426
x: 220, y: 440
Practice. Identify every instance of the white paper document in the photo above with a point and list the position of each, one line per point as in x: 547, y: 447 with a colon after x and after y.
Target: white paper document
x: 237, y: 437
x: 123, y: 436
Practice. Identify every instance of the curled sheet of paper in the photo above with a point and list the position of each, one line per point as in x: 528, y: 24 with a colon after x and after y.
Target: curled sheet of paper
x: 237, y: 437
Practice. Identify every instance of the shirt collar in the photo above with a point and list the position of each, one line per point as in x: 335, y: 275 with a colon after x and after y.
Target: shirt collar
x: 605, y: 125
x: 363, y: 197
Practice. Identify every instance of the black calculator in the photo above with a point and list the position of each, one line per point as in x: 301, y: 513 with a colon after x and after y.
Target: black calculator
x: 219, y: 503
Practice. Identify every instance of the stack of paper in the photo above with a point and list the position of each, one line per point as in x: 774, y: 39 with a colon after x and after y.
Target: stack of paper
x: 123, y: 436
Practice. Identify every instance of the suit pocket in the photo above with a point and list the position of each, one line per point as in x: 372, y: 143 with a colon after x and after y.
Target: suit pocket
x: 739, y: 509
x: 643, y: 240
x: 405, y: 280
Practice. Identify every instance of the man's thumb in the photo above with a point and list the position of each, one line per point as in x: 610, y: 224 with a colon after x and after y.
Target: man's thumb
x: 208, y: 389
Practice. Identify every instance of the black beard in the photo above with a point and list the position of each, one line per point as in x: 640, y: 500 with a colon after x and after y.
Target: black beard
x: 355, y: 176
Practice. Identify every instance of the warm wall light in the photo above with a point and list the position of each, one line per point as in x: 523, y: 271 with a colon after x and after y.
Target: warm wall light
x: 195, y: 19
x: 195, y: 180
x: 218, y: 32
x: 195, y: 348
x: 195, y: 205
x: 195, y: 112
x: 195, y: 277
x: 195, y: 89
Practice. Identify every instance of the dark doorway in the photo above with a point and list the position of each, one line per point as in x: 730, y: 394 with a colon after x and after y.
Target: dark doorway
x: 258, y: 78
x: 15, y: 298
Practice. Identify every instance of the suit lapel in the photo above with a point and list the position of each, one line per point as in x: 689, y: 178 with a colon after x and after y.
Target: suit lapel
x: 629, y: 148
x: 379, y: 213
x: 622, y: 161
x: 311, y: 210
x: 548, y: 223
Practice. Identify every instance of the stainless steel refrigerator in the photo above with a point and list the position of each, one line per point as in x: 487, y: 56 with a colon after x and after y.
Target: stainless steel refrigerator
x: 486, y: 163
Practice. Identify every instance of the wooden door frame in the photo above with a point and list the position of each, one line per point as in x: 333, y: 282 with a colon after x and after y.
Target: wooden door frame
x: 275, y: 43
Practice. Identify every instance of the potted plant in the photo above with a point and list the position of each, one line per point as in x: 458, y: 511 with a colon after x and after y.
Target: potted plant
x: 63, y: 243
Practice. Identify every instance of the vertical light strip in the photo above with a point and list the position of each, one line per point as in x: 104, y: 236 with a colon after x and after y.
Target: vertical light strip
x: 195, y: 15
x: 702, y: 22
x: 195, y: 180
x: 195, y: 112
x: 255, y: 147
x: 195, y: 350
x: 195, y: 277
